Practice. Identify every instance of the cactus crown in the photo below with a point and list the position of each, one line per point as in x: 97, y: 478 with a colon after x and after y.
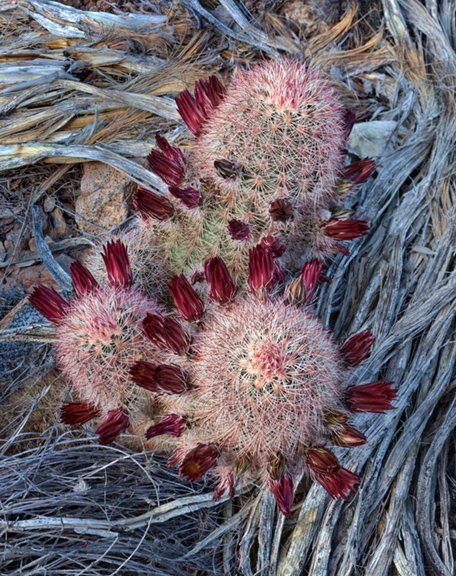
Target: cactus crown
x: 266, y: 375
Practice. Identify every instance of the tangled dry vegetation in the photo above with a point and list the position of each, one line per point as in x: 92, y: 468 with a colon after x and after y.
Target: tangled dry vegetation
x: 80, y: 86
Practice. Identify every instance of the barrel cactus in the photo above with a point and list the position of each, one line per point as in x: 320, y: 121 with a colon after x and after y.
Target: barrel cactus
x: 98, y: 335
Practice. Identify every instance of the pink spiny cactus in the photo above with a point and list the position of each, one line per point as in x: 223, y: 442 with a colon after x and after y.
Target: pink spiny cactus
x: 259, y: 387
x: 266, y: 374
x: 98, y: 339
x: 248, y: 384
x: 99, y: 334
x: 279, y: 129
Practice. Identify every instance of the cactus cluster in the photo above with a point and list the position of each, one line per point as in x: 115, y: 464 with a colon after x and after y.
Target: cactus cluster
x: 254, y: 385
x: 240, y: 379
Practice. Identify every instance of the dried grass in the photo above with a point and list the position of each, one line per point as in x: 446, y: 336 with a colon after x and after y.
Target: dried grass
x: 72, y: 507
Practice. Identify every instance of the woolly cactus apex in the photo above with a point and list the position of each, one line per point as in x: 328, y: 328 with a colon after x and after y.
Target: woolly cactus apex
x: 99, y: 334
x: 261, y: 387
x: 267, y: 153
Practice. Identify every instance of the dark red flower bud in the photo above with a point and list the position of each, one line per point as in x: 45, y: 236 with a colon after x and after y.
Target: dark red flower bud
x: 327, y: 471
x: 345, y: 229
x: 165, y: 168
x: 320, y: 459
x: 219, y: 280
x: 349, y: 120
x: 77, y: 413
x: 261, y: 269
x: 335, y: 418
x: 186, y: 299
x: 190, y: 197
x: 227, y: 169
x: 191, y: 112
x: 195, y: 110
x: 171, y: 425
x: 160, y: 379
x: 168, y: 162
x: 227, y: 483
x: 273, y: 245
x: 171, y: 152
x: 152, y: 205
x: 238, y: 230
x: 295, y: 293
x: 202, y: 97
x: 208, y: 93
x: 115, y: 423
x: 347, y: 436
x: 302, y: 289
x: 82, y: 279
x: 281, y: 210
x: 198, y: 461
x: 49, y: 303
x: 359, y: 172
x: 166, y: 333
x: 282, y: 490
x: 215, y: 91
x: 357, y: 347
x: 311, y: 274
x: 373, y: 397
x: 117, y: 264
x: 339, y: 483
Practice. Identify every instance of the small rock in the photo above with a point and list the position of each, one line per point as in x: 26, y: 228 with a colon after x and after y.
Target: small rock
x: 49, y: 204
x: 371, y: 138
x: 59, y: 226
x: 103, y: 200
